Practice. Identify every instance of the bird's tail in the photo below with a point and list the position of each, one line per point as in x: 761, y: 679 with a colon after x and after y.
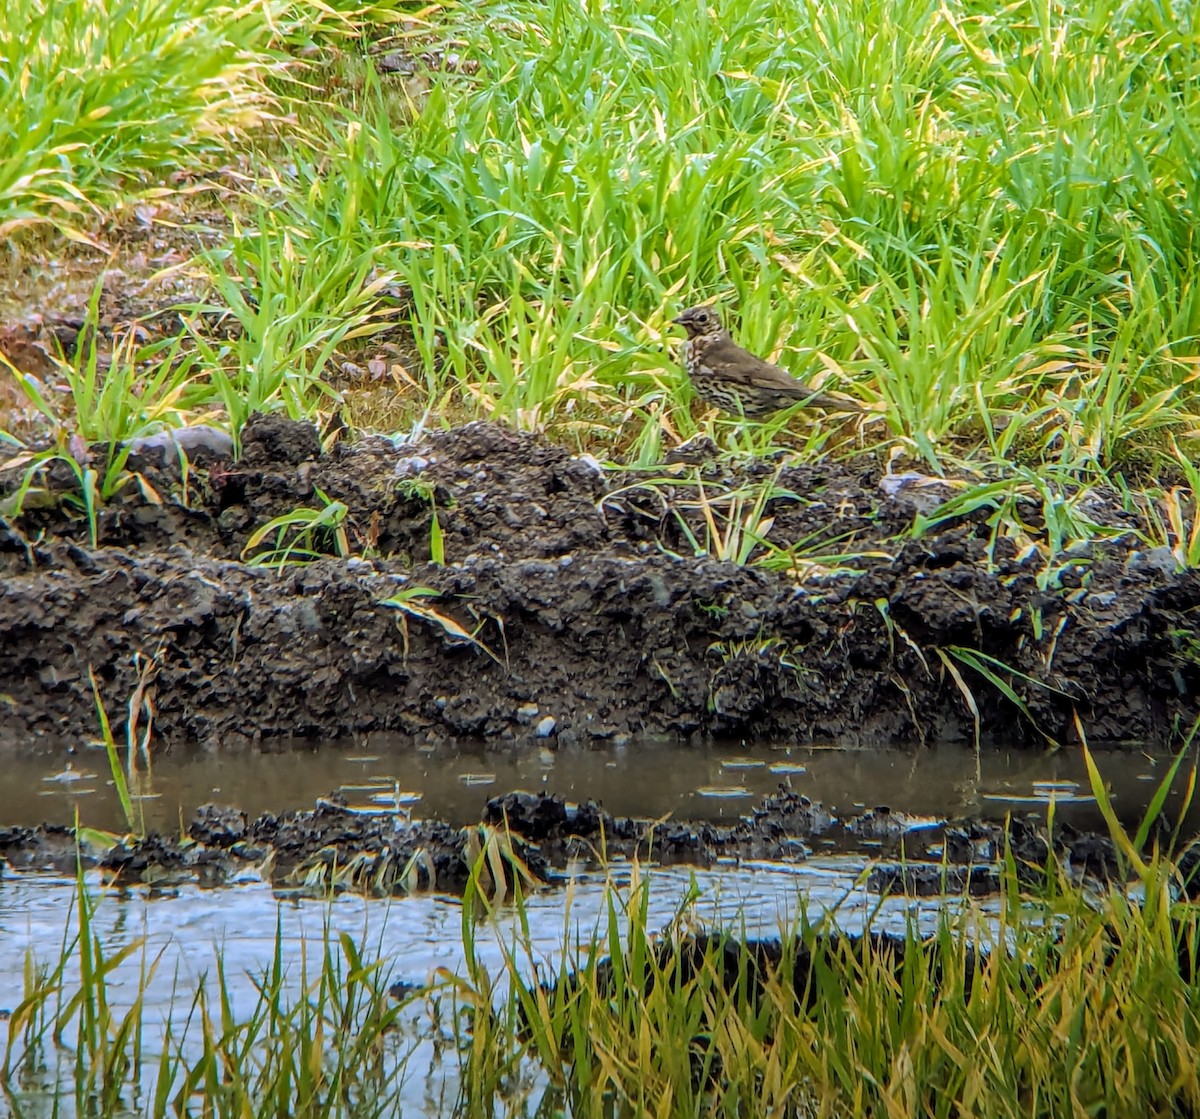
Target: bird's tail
x: 816, y: 399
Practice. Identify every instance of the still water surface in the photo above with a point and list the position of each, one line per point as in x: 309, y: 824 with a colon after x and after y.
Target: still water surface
x: 188, y: 927
x: 415, y: 936
x: 654, y: 779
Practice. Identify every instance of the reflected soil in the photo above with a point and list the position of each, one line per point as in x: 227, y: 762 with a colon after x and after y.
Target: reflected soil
x: 718, y: 782
x: 184, y: 926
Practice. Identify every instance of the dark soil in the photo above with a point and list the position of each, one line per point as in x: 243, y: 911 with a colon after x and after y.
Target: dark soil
x: 590, y: 618
x: 536, y: 836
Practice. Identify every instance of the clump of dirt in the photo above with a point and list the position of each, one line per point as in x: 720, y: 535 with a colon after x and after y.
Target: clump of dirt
x: 804, y: 967
x: 568, y: 607
x: 536, y: 836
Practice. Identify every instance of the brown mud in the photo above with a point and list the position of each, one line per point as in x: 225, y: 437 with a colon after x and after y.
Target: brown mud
x: 590, y: 618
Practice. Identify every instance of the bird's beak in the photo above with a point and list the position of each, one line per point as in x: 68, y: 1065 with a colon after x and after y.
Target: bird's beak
x: 678, y: 320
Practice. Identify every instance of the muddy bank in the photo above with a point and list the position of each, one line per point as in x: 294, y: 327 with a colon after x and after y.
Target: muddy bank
x: 335, y: 846
x: 569, y: 608
x: 537, y: 837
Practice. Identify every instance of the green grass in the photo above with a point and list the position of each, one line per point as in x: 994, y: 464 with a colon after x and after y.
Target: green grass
x: 96, y: 98
x: 968, y: 217
x: 318, y: 1039
x: 979, y: 219
x: 1054, y: 998
x: 1051, y: 1026
x: 1059, y: 1000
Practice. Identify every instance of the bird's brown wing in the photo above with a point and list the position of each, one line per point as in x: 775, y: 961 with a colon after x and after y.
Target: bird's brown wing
x: 742, y: 368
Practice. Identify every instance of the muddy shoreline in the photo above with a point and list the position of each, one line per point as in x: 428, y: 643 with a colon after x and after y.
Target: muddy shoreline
x: 539, y: 840
x: 590, y: 620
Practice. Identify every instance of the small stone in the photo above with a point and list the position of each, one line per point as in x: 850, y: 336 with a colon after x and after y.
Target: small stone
x: 1155, y: 561
x: 396, y: 62
x: 410, y: 467
x: 234, y: 519
x: 915, y: 493
x: 545, y: 727
x: 592, y: 464
x: 191, y: 440
x: 527, y: 712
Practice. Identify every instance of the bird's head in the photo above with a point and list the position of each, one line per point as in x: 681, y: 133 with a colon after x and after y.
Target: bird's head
x: 700, y: 321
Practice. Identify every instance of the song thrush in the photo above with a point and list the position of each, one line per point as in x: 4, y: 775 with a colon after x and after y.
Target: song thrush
x: 733, y: 379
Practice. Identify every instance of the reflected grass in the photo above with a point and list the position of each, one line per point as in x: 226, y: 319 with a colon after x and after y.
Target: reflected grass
x: 1057, y: 996
x: 317, y: 1037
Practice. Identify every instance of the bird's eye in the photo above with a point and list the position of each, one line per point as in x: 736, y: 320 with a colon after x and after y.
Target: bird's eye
x: 702, y: 317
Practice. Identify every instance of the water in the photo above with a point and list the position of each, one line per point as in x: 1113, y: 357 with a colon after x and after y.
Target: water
x: 651, y: 779
x: 416, y: 937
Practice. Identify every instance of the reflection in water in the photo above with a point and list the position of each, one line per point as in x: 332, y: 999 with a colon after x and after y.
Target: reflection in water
x: 651, y: 779
x: 417, y: 936
x: 414, y: 936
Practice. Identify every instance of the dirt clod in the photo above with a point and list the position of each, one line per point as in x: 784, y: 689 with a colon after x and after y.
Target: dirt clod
x: 566, y: 590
